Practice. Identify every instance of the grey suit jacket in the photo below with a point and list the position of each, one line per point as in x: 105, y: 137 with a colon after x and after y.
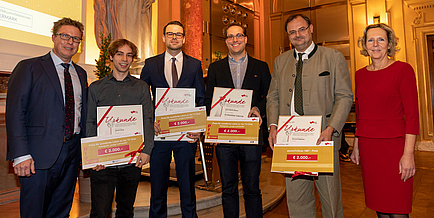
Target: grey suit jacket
x: 326, y: 87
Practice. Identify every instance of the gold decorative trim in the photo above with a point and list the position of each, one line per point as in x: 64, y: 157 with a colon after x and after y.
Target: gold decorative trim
x: 419, y: 4
x: 422, y: 7
x: 418, y: 18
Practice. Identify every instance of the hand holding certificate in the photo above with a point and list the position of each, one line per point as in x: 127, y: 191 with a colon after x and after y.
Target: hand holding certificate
x: 178, y: 123
x: 296, y: 150
x: 119, y: 130
x: 232, y: 131
x: 175, y: 114
x: 303, y: 158
x: 110, y: 150
x: 228, y: 121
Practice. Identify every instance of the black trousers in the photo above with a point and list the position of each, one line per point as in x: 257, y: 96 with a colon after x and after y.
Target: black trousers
x: 103, y: 183
x: 161, y: 157
x: 249, y: 157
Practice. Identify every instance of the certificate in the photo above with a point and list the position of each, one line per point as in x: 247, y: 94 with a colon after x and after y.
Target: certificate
x: 303, y: 158
x: 233, y: 103
x: 170, y: 99
x: 110, y: 150
x: 181, y: 122
x: 119, y: 120
x: 178, y: 138
x: 299, y: 130
x: 232, y: 131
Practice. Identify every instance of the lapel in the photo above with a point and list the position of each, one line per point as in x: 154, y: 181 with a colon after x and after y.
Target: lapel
x: 185, y: 68
x: 51, y: 72
x: 160, y: 67
x: 289, y: 63
x: 249, y: 71
x: 82, y: 77
x: 226, y: 73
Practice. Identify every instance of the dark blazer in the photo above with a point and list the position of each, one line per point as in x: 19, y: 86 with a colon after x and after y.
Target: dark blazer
x: 191, y: 75
x: 257, y: 78
x: 35, y: 116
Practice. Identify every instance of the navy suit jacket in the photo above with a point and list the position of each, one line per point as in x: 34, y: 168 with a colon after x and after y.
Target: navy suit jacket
x: 257, y: 78
x: 35, y: 115
x: 191, y: 75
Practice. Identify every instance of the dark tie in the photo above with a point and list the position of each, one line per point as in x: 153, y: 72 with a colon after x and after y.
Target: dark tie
x: 298, y: 95
x: 69, y: 103
x: 174, y: 73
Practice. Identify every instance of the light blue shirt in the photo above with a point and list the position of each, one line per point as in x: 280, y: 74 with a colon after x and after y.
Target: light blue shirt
x: 238, y: 70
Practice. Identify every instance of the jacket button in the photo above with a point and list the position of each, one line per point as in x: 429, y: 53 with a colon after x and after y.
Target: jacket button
x: 290, y: 90
x: 293, y: 75
x: 287, y: 104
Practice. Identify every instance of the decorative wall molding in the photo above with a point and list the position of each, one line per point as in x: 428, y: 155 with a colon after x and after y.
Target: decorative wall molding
x: 425, y: 146
x: 419, y: 4
x: 420, y: 33
x: 417, y: 20
x: 353, y: 2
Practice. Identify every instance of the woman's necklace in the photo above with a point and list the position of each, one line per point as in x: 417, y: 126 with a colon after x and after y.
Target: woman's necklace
x: 388, y: 63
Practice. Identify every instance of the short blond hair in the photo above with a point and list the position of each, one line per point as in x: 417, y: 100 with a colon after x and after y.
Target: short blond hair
x: 391, y: 38
x: 67, y: 22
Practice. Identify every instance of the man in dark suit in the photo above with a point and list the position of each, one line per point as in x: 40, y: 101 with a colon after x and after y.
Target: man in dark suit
x: 239, y: 70
x: 173, y: 69
x: 45, y: 116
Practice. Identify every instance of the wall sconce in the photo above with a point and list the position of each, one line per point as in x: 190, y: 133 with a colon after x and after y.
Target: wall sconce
x: 376, y: 19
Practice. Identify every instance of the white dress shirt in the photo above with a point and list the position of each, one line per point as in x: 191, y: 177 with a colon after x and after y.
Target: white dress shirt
x: 168, y: 66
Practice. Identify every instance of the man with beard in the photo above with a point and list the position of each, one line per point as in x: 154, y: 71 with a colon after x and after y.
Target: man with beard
x: 173, y: 69
x: 241, y: 71
x: 311, y: 80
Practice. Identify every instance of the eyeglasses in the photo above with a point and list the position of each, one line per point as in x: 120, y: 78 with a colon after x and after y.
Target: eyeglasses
x: 238, y: 36
x: 65, y: 36
x: 177, y: 35
x: 300, y: 31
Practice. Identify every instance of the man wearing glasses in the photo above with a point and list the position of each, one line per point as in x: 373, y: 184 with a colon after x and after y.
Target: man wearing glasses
x: 173, y: 69
x: 45, y: 119
x: 240, y: 71
x: 311, y: 80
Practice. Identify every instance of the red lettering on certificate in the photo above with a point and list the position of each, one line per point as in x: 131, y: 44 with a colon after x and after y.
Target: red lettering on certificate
x: 297, y: 129
x: 302, y: 157
x: 113, y: 150
x: 120, y: 120
x: 181, y: 123
x: 230, y: 101
x: 237, y: 131
x: 174, y: 101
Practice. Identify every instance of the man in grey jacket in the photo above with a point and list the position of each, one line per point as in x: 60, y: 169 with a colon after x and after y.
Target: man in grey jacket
x: 311, y: 80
